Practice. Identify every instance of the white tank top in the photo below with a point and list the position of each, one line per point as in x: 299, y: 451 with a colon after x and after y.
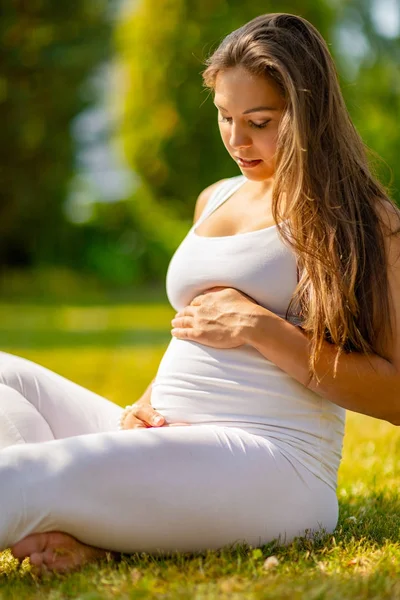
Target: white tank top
x: 239, y: 387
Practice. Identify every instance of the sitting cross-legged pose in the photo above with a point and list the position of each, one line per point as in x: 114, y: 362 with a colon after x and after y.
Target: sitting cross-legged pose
x: 287, y: 299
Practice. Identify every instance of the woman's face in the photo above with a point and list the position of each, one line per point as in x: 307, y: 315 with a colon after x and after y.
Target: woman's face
x: 249, y: 111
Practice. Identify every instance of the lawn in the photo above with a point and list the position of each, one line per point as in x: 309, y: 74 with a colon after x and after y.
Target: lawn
x: 119, y: 347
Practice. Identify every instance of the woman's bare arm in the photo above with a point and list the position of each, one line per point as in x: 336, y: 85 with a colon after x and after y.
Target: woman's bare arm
x: 365, y: 384
x: 146, y: 396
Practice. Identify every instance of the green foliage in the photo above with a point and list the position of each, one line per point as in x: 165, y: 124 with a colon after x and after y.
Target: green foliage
x: 169, y: 129
x: 130, y: 241
x: 48, y: 51
x: 372, y: 91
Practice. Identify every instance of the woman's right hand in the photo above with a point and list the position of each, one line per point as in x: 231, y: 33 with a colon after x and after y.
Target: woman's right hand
x: 142, y: 416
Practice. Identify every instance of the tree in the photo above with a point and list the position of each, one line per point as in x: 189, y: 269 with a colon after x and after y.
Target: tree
x: 48, y: 50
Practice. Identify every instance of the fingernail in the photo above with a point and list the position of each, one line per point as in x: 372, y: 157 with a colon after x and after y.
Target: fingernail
x: 157, y: 420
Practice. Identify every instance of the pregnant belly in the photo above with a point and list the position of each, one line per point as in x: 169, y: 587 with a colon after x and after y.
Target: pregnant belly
x: 238, y: 387
x: 199, y: 384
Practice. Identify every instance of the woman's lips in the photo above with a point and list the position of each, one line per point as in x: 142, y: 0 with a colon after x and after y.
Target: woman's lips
x: 248, y: 163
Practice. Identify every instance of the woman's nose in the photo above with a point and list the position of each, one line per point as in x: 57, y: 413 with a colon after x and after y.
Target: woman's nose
x: 239, y: 139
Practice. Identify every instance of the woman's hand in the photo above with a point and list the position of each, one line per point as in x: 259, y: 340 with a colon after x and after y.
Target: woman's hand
x: 142, y: 416
x: 217, y: 318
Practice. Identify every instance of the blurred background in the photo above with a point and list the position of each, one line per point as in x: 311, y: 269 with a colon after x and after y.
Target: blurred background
x: 107, y: 137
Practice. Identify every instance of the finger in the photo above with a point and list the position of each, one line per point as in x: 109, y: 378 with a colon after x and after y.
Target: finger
x: 148, y: 415
x: 132, y: 422
x: 137, y: 425
x: 182, y: 334
x: 182, y: 322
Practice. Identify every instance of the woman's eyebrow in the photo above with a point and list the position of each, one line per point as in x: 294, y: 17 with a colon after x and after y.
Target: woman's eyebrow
x: 250, y: 110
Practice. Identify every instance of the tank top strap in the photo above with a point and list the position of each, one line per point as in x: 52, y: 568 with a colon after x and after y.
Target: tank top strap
x: 219, y: 195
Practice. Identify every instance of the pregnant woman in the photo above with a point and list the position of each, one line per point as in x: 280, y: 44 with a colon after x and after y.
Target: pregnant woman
x: 287, y: 299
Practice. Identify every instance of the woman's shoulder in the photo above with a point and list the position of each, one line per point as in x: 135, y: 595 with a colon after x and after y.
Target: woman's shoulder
x: 206, y: 194
x: 389, y: 216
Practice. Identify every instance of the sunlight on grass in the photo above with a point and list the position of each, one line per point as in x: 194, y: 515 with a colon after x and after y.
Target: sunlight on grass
x: 119, y: 374
x: 84, y: 318
x: 360, y: 560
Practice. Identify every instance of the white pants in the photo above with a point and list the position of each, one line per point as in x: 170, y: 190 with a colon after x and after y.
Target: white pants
x: 64, y: 466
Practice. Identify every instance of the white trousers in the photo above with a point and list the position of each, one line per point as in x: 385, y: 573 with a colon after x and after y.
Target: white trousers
x: 64, y: 466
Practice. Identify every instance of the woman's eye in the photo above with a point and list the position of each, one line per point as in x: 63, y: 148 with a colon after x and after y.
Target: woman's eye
x: 256, y: 125
x: 259, y: 125
x: 225, y: 119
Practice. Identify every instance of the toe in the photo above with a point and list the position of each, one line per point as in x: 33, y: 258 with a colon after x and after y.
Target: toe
x: 33, y: 543
x: 36, y: 559
x: 49, y: 557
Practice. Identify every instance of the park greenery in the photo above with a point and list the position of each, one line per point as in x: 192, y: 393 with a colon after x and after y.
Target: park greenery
x: 164, y: 121
x: 48, y: 52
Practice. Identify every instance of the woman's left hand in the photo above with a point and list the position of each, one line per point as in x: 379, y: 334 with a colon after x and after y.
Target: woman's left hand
x: 217, y: 317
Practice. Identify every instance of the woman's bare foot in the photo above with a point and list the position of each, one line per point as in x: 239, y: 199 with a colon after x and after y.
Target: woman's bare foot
x: 56, y: 551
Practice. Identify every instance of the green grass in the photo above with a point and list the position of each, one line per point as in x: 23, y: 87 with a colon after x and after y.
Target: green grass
x: 120, y: 346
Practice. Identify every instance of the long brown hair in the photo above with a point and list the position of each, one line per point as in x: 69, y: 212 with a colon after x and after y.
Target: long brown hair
x: 334, y: 225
